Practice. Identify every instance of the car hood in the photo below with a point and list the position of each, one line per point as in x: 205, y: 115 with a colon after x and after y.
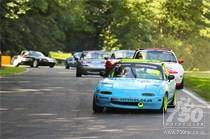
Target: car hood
x: 131, y: 83
x: 127, y: 88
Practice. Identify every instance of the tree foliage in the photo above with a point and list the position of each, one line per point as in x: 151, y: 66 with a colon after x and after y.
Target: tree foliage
x: 75, y: 25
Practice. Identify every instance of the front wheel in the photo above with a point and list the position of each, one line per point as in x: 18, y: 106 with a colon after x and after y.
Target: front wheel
x: 173, y: 102
x: 35, y: 63
x: 51, y: 66
x: 67, y: 67
x: 164, y: 106
x: 97, y: 109
x: 78, y: 74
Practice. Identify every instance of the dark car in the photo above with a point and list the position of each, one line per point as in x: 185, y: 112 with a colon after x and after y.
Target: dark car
x: 71, y: 61
x: 33, y: 59
x: 90, y: 62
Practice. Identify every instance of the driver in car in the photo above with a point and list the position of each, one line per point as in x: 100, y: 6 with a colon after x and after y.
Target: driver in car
x: 120, y: 72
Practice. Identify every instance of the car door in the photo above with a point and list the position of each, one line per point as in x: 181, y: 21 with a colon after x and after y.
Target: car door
x: 168, y: 84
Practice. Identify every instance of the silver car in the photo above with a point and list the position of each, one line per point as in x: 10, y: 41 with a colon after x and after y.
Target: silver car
x: 90, y: 62
x: 71, y: 61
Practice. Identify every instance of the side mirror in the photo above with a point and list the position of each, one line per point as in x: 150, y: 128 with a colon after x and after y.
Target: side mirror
x: 181, y: 60
x: 106, y: 58
x: 102, y: 74
x: 171, y: 77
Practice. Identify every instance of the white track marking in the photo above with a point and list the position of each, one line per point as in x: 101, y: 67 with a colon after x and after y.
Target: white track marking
x: 196, y: 98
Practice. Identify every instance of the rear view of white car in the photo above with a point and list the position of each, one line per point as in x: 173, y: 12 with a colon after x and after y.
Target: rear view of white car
x: 169, y: 58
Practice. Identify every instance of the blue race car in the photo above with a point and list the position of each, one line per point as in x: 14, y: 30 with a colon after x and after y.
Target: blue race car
x: 136, y: 84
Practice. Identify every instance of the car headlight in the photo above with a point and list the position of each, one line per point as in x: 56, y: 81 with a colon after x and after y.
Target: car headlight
x: 109, y: 85
x: 44, y: 60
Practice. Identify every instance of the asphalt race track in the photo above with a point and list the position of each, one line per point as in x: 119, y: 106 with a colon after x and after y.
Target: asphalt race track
x: 46, y: 103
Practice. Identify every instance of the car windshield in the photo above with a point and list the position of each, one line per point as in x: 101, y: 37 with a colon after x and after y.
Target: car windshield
x: 77, y: 54
x: 36, y: 54
x: 123, y: 54
x: 160, y: 55
x: 141, y: 71
x: 93, y: 55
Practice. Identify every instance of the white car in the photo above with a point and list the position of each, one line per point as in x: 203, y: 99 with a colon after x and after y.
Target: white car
x: 169, y: 58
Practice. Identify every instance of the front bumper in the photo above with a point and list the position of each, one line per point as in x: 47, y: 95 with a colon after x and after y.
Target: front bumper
x: 91, y: 70
x: 150, y: 103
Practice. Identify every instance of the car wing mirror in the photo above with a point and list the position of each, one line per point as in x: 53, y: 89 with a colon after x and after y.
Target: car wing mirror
x: 181, y: 60
x: 171, y: 77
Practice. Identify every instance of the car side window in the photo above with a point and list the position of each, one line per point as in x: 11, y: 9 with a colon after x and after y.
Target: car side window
x: 121, y: 72
x: 24, y: 53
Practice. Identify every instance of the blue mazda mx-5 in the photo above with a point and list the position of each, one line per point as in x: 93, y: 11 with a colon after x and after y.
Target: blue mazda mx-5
x: 136, y: 84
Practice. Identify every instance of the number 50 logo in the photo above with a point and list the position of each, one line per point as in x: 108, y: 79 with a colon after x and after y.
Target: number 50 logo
x: 186, y: 114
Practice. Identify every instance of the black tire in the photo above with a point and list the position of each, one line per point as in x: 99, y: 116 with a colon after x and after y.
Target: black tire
x: 97, y: 109
x: 51, y: 66
x: 172, y: 104
x: 67, y: 67
x: 78, y: 74
x: 36, y: 63
x: 162, y: 109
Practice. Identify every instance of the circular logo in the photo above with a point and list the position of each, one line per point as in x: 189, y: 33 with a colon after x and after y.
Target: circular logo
x: 140, y: 104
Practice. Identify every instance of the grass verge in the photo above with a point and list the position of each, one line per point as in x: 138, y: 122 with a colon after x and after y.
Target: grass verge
x: 6, y: 71
x: 199, y: 82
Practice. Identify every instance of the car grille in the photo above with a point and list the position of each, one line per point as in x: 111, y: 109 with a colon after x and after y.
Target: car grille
x: 125, y: 103
x: 106, y: 92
